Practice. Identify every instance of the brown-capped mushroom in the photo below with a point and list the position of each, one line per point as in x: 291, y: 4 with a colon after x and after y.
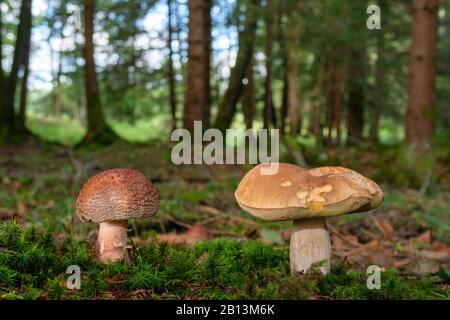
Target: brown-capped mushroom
x: 111, y: 198
x: 307, y: 197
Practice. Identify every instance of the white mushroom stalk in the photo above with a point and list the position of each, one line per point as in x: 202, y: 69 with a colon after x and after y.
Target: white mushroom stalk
x: 307, y: 197
x: 310, y: 244
x: 112, y: 241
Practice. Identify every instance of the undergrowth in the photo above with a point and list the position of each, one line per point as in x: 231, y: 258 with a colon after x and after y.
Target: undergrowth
x: 33, y: 266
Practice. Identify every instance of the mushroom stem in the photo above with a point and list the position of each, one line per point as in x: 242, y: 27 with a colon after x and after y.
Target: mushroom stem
x: 112, y: 241
x: 310, y: 243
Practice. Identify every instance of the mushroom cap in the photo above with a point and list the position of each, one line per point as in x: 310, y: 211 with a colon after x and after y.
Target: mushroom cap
x: 295, y: 193
x: 117, y: 194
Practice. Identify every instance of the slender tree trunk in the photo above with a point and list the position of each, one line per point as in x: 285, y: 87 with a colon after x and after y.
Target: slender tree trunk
x: 1, y: 45
x: 23, y: 33
x: 356, y: 97
x: 248, y: 99
x: 379, y: 89
x: 331, y: 102
x: 23, y: 100
x: 232, y: 95
x: 317, y: 126
x: 338, y: 104
x: 293, y: 65
x: 284, y: 99
x: 421, y: 111
x: 197, y: 104
x: 268, y: 99
x: 380, y: 73
x: 24, y: 85
x: 171, y: 73
x: 2, y: 75
x: 96, y: 121
x: 58, y: 93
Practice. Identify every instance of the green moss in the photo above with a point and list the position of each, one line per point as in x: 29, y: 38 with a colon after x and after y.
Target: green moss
x: 33, y: 266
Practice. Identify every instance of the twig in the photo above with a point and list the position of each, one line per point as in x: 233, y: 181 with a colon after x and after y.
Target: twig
x: 178, y: 222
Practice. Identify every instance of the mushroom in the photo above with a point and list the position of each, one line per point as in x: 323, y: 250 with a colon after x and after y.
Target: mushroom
x: 307, y: 197
x: 111, y: 198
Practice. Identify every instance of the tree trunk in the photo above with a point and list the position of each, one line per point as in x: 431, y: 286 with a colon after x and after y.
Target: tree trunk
x: 317, y: 126
x: 246, y: 40
x: 171, y: 73
x: 248, y: 99
x: 331, y: 96
x: 198, y: 94
x: 284, y: 100
x: 421, y: 111
x: 96, y: 121
x: 23, y: 33
x: 338, y: 103
x: 2, y: 75
x: 24, y: 85
x: 58, y: 93
x: 293, y: 65
x: 1, y: 54
x: 268, y: 99
x: 380, y: 74
x: 379, y: 90
x: 356, y: 97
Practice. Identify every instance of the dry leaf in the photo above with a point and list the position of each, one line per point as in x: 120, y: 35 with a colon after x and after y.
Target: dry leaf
x: 195, y: 234
x: 172, y: 238
x: 385, y: 227
x: 21, y: 208
x: 426, y: 237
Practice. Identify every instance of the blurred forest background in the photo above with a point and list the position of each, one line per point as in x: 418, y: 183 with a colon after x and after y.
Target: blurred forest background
x: 95, y: 84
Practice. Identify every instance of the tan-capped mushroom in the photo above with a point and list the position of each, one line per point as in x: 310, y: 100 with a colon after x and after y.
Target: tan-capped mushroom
x: 111, y: 198
x: 307, y: 197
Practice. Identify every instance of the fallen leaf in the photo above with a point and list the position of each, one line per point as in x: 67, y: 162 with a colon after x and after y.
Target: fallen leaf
x: 385, y: 227
x: 193, y: 235
x: 196, y: 234
x: 351, y: 238
x: 401, y: 263
x: 21, y: 208
x: 209, y: 210
x: 426, y: 237
x: 172, y: 238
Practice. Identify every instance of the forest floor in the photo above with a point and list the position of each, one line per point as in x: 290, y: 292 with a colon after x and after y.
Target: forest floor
x: 201, y: 245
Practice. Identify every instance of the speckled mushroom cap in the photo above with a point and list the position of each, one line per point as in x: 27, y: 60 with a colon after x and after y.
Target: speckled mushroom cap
x: 294, y: 193
x: 117, y: 194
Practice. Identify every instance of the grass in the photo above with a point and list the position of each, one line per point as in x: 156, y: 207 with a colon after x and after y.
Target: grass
x: 63, y: 131
x: 69, y: 132
x: 33, y: 266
